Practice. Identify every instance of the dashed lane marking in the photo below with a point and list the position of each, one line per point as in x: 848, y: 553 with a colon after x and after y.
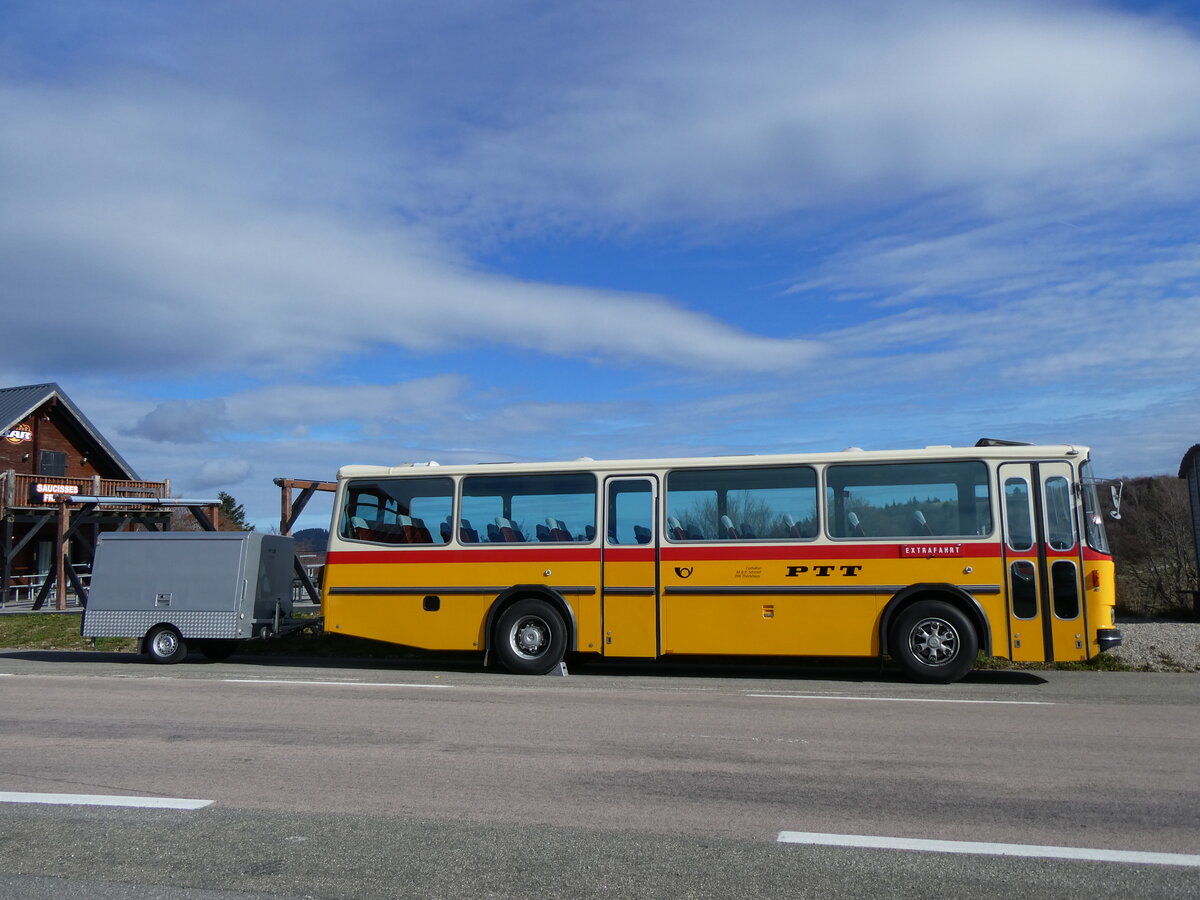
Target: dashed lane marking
x: 331, y: 683
x: 102, y: 800
x: 903, y: 699
x: 1089, y: 854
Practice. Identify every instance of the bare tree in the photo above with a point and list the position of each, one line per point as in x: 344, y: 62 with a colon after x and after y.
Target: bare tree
x: 1152, y: 546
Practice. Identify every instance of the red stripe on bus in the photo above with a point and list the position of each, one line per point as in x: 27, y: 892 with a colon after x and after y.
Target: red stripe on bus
x: 629, y: 554
x: 813, y: 551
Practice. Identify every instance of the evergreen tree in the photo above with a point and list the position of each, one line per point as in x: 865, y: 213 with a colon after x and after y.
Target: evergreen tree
x: 233, y: 514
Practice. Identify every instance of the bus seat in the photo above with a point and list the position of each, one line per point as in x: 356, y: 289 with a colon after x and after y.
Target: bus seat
x: 493, y: 533
x: 791, y: 527
x: 675, y: 530
x: 856, y: 527
x: 728, y: 532
x: 543, y: 533
x: 509, y: 533
x: 446, y: 530
x: 408, y: 530
x: 558, y: 530
x: 467, y: 534
x: 589, y: 533
x: 422, y: 535
x: 641, y: 534
x: 921, y: 525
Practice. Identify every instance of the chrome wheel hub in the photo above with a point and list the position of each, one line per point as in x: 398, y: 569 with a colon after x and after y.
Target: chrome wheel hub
x: 934, y: 642
x: 530, y: 637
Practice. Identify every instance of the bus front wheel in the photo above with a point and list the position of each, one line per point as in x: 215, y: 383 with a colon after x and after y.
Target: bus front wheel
x: 933, y: 641
x: 530, y: 637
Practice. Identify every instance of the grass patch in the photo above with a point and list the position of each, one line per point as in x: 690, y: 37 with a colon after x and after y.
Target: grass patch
x: 1104, y: 662
x: 55, y: 631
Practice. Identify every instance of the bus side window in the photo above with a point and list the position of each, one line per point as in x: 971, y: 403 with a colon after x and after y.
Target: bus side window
x: 771, y: 503
x: 534, y: 509
x: 391, y: 510
x: 908, y: 500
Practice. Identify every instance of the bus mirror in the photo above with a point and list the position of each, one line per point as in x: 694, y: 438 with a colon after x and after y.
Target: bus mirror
x: 1116, y: 490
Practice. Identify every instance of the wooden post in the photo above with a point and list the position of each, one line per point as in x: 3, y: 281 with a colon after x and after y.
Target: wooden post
x: 60, y: 558
x: 285, y: 509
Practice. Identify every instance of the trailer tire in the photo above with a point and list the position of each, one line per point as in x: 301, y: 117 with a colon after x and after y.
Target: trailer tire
x: 164, y: 645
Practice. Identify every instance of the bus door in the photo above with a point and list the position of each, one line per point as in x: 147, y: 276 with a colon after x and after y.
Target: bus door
x: 630, y: 562
x: 1043, y: 574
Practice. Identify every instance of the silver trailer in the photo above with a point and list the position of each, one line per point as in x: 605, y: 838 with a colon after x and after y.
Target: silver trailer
x: 206, y: 589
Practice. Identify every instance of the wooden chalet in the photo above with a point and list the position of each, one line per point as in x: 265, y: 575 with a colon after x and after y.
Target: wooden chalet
x: 62, y: 484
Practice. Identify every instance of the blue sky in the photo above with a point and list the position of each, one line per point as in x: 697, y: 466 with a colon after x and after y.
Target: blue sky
x: 273, y: 238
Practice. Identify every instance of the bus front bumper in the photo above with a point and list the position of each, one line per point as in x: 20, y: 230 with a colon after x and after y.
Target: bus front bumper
x: 1108, y: 638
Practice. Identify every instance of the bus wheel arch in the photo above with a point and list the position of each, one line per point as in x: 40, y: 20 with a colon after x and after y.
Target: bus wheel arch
x: 934, y: 631
x: 530, y: 628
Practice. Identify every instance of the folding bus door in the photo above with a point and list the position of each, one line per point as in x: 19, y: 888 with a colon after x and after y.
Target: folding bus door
x: 1043, y: 563
x: 630, y: 577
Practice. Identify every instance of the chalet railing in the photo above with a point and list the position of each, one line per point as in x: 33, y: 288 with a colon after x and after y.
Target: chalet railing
x: 34, y: 491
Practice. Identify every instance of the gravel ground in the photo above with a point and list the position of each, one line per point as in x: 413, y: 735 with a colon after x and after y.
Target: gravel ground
x: 1160, y: 646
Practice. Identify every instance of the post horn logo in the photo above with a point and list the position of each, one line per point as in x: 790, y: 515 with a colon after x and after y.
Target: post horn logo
x: 684, y: 571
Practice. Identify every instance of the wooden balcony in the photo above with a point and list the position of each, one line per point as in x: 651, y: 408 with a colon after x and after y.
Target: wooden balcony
x: 28, y: 492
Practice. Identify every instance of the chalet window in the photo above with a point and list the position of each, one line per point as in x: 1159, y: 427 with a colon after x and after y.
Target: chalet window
x: 52, y: 463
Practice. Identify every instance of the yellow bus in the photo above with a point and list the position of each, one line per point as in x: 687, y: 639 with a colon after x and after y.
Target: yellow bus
x: 925, y: 556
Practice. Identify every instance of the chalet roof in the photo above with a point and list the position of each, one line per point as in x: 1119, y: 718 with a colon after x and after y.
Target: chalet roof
x: 18, y: 403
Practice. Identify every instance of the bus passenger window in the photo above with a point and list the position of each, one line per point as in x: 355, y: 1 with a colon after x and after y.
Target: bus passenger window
x: 908, y: 500
x: 763, y: 504
x: 395, y: 510
x: 528, y: 508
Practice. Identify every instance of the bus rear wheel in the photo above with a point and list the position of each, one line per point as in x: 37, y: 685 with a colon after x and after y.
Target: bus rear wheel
x: 934, y: 642
x: 530, y: 637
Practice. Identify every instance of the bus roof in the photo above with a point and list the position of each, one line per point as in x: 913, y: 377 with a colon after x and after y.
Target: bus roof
x: 986, y: 451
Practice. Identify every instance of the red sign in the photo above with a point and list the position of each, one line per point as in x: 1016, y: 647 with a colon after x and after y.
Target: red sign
x: 51, y: 490
x: 930, y: 551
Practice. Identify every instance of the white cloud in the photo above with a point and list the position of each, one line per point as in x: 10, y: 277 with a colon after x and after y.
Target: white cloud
x: 220, y: 473
x: 128, y: 221
x: 739, y: 113
x: 181, y: 421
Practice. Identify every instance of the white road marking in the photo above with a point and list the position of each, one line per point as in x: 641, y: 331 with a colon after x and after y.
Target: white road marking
x: 102, y: 800
x: 1139, y: 857
x: 904, y: 699
x: 331, y: 683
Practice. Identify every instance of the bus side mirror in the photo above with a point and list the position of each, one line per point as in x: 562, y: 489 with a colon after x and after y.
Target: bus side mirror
x: 1116, y: 490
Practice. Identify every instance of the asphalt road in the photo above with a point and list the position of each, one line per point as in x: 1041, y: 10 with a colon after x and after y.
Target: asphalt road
x: 442, y: 780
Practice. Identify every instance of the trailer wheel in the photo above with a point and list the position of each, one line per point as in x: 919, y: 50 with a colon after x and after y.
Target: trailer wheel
x: 217, y: 650
x: 164, y: 645
x: 530, y: 637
